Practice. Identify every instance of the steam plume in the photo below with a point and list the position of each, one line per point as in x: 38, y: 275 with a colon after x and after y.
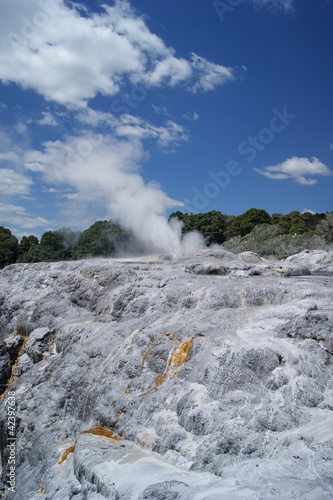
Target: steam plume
x: 107, y: 170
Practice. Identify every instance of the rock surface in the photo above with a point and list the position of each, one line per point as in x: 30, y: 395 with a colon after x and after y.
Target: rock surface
x: 204, y: 378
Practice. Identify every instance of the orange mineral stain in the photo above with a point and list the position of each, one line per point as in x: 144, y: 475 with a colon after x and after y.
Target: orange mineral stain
x: 65, y: 454
x: 179, y: 358
x: 14, y: 367
x: 102, y: 432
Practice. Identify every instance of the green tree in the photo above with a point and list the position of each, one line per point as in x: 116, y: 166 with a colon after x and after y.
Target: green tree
x: 103, y: 238
x: 27, y: 242
x: 9, y: 247
x: 294, y: 222
x: 245, y: 223
x: 28, y: 249
x: 299, y: 227
x: 70, y: 241
x: 212, y: 224
x: 51, y: 247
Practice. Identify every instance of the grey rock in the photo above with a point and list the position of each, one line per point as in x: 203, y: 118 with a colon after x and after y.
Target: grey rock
x: 318, y: 261
x: 24, y: 364
x: 38, y: 343
x: 292, y: 270
x: 13, y: 346
x: 207, y: 377
x: 167, y: 490
x: 5, y: 371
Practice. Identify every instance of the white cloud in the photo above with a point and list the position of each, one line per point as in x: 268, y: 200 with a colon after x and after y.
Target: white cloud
x: 301, y: 170
x: 10, y: 157
x: 208, y: 74
x: 22, y: 129
x: 167, y: 136
x: 161, y: 110
x: 193, y: 117
x: 331, y: 146
x: 71, y: 196
x: 14, y: 184
x: 168, y: 71
x: 5, y: 140
x: 15, y: 215
x: 308, y: 210
x: 48, y: 119
x: 93, y: 118
x: 69, y: 58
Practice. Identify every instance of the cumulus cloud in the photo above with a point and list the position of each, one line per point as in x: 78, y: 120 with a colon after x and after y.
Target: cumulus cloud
x: 69, y: 58
x: 301, y: 170
x: 14, y: 184
x: 10, y: 157
x: 169, y: 71
x: 170, y: 135
x: 209, y: 75
x: 95, y: 118
x: 16, y: 215
x: 167, y: 136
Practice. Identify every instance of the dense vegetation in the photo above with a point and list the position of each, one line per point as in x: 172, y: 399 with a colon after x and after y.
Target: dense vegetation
x: 102, y: 239
x: 277, y: 236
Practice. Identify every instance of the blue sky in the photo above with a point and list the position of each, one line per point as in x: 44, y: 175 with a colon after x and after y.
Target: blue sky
x: 130, y: 110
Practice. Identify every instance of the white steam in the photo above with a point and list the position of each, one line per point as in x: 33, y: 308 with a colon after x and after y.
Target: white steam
x: 192, y: 243
x: 107, y: 171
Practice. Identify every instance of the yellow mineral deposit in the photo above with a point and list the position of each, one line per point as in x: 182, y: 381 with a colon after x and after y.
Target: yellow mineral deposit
x: 181, y: 355
x: 14, y: 367
x: 66, y: 452
x: 102, y: 432
x: 178, y: 359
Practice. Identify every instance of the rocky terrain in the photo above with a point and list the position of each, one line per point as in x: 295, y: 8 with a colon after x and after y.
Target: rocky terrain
x: 208, y: 377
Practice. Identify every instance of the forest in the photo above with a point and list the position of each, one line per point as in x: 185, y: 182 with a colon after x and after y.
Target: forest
x: 275, y: 236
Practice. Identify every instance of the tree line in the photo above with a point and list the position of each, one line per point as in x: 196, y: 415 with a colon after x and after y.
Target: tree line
x: 277, y: 235
x: 102, y: 239
x: 218, y: 228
